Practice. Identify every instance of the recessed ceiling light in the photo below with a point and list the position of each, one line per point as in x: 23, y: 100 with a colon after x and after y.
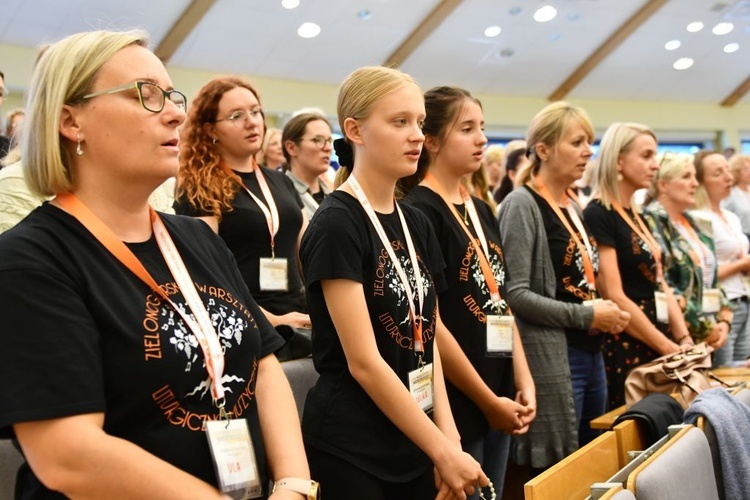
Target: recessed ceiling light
x: 492, y: 31
x: 722, y: 28
x: 695, y: 27
x: 544, y: 14
x: 672, y: 45
x: 290, y: 4
x: 308, y: 30
x: 364, y: 14
x: 731, y: 47
x: 683, y: 63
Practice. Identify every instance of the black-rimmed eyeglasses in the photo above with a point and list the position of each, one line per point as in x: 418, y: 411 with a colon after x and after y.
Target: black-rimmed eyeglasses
x: 152, y: 96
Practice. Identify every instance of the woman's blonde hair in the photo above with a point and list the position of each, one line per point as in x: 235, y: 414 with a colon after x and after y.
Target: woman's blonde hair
x: 260, y: 156
x: 494, y: 153
x: 547, y: 128
x: 63, y: 75
x: 671, y: 166
x: 616, y: 140
x: 736, y: 162
x: 203, y: 180
x: 360, y: 91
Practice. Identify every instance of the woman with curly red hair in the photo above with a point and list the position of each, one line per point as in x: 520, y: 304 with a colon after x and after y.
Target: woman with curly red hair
x: 255, y: 210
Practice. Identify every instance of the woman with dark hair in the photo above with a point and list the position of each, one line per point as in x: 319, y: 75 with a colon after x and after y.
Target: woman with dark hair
x: 256, y: 210
x: 480, y: 350
x: 515, y: 160
x: 307, y: 145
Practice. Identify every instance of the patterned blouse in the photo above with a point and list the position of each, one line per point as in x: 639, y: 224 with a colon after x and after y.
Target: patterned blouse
x: 682, y: 273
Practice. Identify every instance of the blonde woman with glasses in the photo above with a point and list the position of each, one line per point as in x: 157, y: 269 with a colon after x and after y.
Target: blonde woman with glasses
x: 135, y: 356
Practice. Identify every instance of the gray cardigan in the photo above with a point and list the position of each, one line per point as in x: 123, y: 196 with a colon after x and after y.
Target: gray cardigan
x: 541, y: 321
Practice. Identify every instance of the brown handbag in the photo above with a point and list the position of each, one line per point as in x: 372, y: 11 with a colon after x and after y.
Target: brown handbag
x: 683, y: 374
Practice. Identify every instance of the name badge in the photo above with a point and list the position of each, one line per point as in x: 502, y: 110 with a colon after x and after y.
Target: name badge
x: 421, y: 388
x: 711, y: 300
x: 234, y: 458
x: 273, y: 274
x: 499, y: 335
x: 662, y: 312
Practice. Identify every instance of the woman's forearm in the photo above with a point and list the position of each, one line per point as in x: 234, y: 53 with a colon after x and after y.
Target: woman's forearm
x: 73, y: 455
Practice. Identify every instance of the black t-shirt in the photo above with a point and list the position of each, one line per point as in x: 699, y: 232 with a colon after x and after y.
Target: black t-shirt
x: 465, y: 302
x: 634, y: 259
x: 82, y: 334
x: 245, y: 231
x: 340, y: 418
x: 570, y: 277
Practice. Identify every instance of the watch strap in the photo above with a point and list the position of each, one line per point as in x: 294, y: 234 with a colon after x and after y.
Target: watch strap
x: 307, y: 487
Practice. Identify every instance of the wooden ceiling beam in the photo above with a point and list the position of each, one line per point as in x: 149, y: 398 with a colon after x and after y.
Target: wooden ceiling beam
x: 605, y: 49
x: 737, y: 94
x: 182, y: 28
x: 421, y: 32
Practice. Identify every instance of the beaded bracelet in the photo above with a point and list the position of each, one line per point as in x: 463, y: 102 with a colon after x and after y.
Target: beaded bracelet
x: 493, y: 495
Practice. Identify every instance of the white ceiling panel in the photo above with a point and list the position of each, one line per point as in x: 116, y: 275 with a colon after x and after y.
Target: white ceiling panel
x: 259, y: 37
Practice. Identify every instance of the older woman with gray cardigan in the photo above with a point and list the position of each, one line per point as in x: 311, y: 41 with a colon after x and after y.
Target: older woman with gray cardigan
x: 552, y: 265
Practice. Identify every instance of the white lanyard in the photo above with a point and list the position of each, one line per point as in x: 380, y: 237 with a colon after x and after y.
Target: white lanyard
x: 268, y: 208
x: 311, y: 200
x: 416, y: 319
x: 203, y: 329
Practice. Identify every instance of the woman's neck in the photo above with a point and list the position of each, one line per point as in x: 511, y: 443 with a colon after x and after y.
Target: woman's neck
x: 122, y: 210
x: 715, y: 206
x: 674, y: 210
x: 554, y: 184
x: 626, y: 192
x: 449, y: 183
x: 240, y: 164
x: 379, y: 190
x: 743, y: 186
x: 310, y: 179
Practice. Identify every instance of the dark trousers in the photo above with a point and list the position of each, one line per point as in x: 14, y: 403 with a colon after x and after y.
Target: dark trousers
x: 340, y: 480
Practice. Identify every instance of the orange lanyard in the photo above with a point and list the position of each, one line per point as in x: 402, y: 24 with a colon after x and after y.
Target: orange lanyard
x: 642, y: 231
x: 483, y: 252
x: 584, y: 248
x: 414, y: 314
x: 202, y: 326
x: 270, y: 212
